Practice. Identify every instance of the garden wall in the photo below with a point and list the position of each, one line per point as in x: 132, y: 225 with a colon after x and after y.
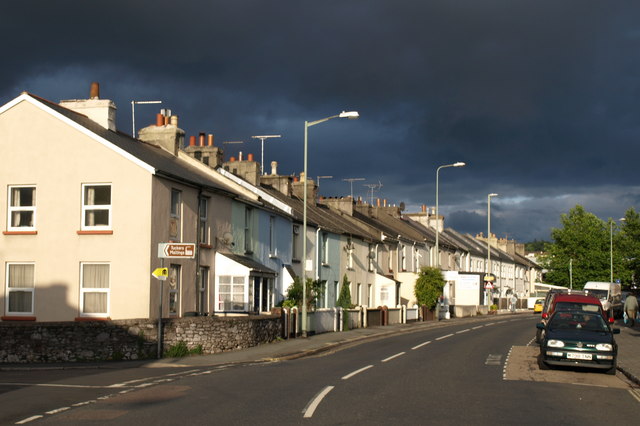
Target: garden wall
x: 85, y: 341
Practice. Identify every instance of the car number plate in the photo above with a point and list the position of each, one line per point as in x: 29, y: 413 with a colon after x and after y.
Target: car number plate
x: 578, y: 356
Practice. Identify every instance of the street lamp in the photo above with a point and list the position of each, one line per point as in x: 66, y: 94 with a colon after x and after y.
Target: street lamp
x: 351, y: 115
x: 262, y: 138
x: 458, y: 164
x: 611, y: 248
x: 133, y: 113
x: 493, y: 194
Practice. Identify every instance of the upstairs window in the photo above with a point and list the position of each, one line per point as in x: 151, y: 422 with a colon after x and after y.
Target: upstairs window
x: 204, y: 221
x: 20, y: 288
x: 22, y: 208
x: 96, y: 207
x: 325, y: 248
x: 296, y: 243
x: 248, y: 232
x: 175, y: 213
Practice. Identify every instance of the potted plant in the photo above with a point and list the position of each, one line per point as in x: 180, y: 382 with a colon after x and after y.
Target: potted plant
x: 493, y: 309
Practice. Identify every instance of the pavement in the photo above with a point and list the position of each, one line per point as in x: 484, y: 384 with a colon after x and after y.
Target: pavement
x: 628, y: 348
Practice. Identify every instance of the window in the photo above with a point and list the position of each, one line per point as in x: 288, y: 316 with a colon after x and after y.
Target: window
x: 403, y: 257
x: 272, y: 236
x: 20, y: 288
x: 176, y: 209
x: 384, y: 295
x: 325, y: 248
x: 204, y: 225
x: 94, y: 289
x: 202, y: 289
x: 248, y: 240
x: 372, y: 257
x: 295, y: 243
x: 231, y: 293
x: 22, y: 208
x: 358, y: 293
x: 350, y: 248
x: 96, y: 206
x: 174, y: 290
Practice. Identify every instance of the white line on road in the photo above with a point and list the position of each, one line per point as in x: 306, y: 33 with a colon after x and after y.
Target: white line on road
x: 635, y: 393
x: 393, y: 356
x: 54, y: 385
x: 58, y: 410
x: 444, y: 337
x: 421, y: 345
x: 80, y: 404
x: 491, y: 323
x: 311, y: 407
x: 29, y: 419
x: 590, y: 384
x: 477, y: 327
x: 350, y: 375
x: 463, y: 331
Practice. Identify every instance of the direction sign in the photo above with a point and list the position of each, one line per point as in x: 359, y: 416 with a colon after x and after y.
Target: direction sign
x: 161, y: 273
x: 176, y: 250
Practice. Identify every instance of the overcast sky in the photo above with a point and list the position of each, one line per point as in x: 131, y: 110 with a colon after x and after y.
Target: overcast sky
x: 539, y: 97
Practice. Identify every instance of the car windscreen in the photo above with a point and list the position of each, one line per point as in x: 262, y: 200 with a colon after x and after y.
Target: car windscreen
x: 578, y: 321
x: 600, y: 294
x: 576, y: 306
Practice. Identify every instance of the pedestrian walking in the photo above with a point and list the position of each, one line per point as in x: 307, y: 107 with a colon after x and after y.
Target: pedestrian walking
x: 631, y: 309
x: 514, y: 301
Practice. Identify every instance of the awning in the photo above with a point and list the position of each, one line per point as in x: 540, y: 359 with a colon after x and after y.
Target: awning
x: 235, y: 264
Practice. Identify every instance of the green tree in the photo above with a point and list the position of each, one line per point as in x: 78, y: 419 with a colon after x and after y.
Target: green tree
x: 428, y: 287
x: 584, y: 241
x: 536, y: 245
x: 315, y: 290
x: 628, y: 245
x: 344, y: 300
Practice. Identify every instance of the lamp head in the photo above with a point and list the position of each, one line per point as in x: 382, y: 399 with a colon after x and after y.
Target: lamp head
x: 459, y: 164
x: 493, y: 194
x: 351, y: 115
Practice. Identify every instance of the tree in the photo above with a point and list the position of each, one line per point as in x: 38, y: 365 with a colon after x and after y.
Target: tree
x: 584, y: 241
x: 315, y: 290
x: 344, y: 300
x: 428, y: 287
x: 629, y: 247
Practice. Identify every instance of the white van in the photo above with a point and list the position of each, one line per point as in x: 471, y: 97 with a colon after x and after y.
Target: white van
x: 610, y: 295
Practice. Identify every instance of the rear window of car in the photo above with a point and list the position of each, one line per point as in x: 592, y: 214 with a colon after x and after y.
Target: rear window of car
x: 572, y: 306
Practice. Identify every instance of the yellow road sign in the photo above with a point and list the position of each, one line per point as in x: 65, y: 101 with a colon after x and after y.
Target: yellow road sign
x: 161, y: 273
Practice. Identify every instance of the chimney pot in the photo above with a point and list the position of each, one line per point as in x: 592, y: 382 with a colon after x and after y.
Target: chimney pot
x: 173, y: 120
x: 94, y: 92
x: 249, y: 157
x: 192, y: 141
x: 201, y: 138
x: 274, y: 168
x: 378, y: 202
x: 159, y: 119
x: 210, y: 139
x: 232, y: 159
x: 240, y: 156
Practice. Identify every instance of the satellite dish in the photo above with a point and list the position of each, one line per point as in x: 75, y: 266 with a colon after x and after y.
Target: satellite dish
x: 227, y: 238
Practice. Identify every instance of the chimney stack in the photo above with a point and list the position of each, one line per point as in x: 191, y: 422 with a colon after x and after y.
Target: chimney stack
x: 102, y: 111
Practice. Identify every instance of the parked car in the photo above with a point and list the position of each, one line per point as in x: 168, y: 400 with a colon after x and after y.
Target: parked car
x: 579, y: 339
x: 570, y: 302
x: 537, y: 307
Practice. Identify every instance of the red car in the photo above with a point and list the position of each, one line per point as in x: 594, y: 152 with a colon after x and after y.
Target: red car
x: 571, y: 303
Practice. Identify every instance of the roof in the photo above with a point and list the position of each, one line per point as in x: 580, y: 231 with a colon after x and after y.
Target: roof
x: 249, y: 263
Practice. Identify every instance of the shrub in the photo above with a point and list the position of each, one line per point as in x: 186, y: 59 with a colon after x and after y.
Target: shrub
x: 428, y: 287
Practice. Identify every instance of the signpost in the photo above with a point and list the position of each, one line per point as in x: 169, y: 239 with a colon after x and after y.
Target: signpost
x: 169, y: 251
x: 176, y: 250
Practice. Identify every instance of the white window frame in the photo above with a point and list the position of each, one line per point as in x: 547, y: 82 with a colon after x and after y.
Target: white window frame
x: 11, y: 209
x: 204, y: 220
x: 325, y: 248
x: 175, y: 213
x: 83, y: 291
x: 86, y: 208
x: 10, y: 290
x: 233, y: 281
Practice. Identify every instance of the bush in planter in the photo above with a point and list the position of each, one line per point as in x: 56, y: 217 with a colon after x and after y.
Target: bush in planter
x: 428, y: 287
x: 493, y: 309
x: 344, y: 300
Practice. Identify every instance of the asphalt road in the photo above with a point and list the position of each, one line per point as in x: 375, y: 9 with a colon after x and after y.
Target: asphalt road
x: 480, y: 373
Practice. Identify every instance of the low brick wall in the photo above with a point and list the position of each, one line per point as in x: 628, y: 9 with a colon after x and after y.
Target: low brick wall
x: 129, y: 339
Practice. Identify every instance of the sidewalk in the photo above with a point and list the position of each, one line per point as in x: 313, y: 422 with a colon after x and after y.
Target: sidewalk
x: 628, y: 348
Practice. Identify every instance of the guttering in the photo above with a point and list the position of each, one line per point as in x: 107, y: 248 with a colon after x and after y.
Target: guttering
x: 257, y: 191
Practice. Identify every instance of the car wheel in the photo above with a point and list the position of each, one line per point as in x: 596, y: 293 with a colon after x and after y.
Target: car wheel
x: 537, y: 336
x: 542, y: 364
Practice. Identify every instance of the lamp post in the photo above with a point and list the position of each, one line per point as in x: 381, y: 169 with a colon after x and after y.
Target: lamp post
x: 493, y: 194
x: 458, y: 164
x: 611, y: 248
x: 351, y: 115
x: 262, y: 138
x: 133, y: 113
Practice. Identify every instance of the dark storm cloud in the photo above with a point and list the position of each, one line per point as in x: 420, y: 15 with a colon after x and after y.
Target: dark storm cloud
x: 538, y: 97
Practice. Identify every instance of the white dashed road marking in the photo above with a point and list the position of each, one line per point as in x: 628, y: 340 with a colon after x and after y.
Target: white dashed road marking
x: 421, y: 345
x: 311, y: 407
x: 393, y: 356
x: 350, y: 375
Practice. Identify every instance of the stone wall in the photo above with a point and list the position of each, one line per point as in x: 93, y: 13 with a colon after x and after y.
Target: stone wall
x: 86, y: 341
